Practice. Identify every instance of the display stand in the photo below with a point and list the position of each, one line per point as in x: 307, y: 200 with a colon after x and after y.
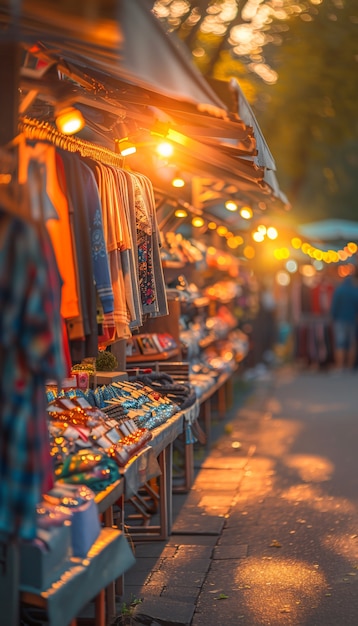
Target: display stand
x: 85, y: 579
x: 222, y: 389
x: 161, y: 450
x: 105, y: 501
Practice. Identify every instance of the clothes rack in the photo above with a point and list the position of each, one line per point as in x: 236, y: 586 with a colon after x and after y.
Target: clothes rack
x: 36, y: 130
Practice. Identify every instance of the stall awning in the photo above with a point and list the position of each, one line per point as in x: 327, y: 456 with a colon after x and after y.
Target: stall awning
x: 123, y: 66
x: 330, y: 230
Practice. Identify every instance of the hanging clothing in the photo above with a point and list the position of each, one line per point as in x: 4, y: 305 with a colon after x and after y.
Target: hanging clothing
x: 161, y: 305
x: 31, y: 350
x: 117, y: 238
x: 130, y: 257
x: 86, y: 345
x: 56, y: 216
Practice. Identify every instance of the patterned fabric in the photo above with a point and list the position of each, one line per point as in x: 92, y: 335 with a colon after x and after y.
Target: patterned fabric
x: 160, y: 306
x: 144, y: 242
x: 30, y: 352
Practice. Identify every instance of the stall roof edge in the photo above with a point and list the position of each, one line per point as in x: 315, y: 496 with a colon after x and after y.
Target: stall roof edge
x: 122, y: 64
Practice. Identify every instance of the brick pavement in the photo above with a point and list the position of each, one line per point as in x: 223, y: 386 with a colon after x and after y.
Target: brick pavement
x: 168, y: 576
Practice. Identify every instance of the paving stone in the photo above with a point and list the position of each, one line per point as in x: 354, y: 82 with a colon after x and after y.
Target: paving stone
x: 152, y: 549
x: 196, y: 523
x: 187, y: 539
x: 146, y: 564
x: 214, y: 502
x: 138, y: 592
x: 136, y: 576
x: 180, y: 566
x: 177, y: 578
x: 209, y: 476
x: 230, y: 552
x: 194, y: 552
x: 219, y: 463
x: 187, y: 594
x: 163, y: 611
x: 190, y: 498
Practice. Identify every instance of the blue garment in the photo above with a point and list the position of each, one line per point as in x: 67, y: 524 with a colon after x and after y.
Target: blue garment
x: 344, y: 306
x: 99, y: 253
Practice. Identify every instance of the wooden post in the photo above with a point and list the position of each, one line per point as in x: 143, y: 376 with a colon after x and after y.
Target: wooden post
x: 10, y: 58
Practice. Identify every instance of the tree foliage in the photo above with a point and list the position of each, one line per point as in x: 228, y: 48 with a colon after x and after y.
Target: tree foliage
x: 297, y: 65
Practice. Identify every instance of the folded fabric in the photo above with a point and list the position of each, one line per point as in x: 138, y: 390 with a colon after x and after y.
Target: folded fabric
x: 97, y: 471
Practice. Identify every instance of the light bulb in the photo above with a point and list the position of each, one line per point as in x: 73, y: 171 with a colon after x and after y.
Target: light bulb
x: 126, y: 147
x: 181, y: 213
x: 178, y: 182
x: 197, y: 222
x: 165, y: 149
x: 246, y: 212
x: 69, y: 121
x: 230, y: 205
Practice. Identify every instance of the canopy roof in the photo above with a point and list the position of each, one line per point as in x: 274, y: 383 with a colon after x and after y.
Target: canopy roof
x: 123, y: 67
x: 330, y: 230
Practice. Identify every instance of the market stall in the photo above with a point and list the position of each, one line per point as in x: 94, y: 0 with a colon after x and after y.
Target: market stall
x: 82, y: 268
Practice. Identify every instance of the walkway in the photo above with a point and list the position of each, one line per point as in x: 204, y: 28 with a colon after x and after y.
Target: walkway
x: 268, y: 535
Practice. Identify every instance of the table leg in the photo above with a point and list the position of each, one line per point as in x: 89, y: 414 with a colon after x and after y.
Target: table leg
x: 100, y: 611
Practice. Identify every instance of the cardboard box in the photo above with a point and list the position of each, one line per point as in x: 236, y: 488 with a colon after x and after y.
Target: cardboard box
x: 43, y: 560
x: 107, y: 378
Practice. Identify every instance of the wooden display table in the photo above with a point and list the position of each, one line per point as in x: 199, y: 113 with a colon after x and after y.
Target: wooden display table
x: 137, y: 475
x: 85, y: 579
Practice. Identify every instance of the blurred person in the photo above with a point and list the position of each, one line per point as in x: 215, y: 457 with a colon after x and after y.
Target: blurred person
x: 344, y: 315
x: 264, y: 326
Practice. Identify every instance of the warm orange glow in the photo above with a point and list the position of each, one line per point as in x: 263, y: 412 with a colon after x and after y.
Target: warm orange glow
x: 296, y: 243
x: 311, y: 469
x: 197, y: 221
x: 272, y: 233
x: 246, y: 212
x: 230, y: 205
x: 178, y: 182
x: 212, y: 225
x: 221, y: 230
x: 126, y: 148
x: 222, y: 260
x: 181, y: 213
x: 234, y: 242
x: 249, y: 252
x: 283, y: 279
x: 165, y: 149
x: 318, y: 255
x: 258, y: 237
x: 297, y: 586
x: 307, y: 270
x: 69, y: 121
